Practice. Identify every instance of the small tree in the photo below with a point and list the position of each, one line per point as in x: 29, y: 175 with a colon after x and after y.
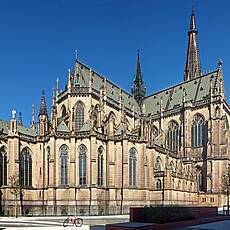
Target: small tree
x: 15, y: 189
x: 226, y: 186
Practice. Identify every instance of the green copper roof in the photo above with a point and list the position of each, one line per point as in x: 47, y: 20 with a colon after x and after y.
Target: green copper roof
x: 4, y: 126
x: 87, y: 126
x: 113, y: 92
x: 190, y: 91
x: 80, y: 75
x: 62, y: 127
x: 26, y: 131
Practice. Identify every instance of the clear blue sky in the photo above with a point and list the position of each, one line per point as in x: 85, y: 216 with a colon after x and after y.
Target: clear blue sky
x: 38, y: 41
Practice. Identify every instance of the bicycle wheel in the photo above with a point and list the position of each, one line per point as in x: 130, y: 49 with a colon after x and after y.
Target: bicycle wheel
x: 78, y: 222
x: 65, y: 222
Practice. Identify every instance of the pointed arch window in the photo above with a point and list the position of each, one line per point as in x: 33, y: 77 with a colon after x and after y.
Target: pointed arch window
x: 3, y: 167
x: 173, y: 137
x: 100, y: 166
x: 158, y: 164
x: 153, y: 134
x: 172, y: 167
x: 200, y: 181
x: 64, y: 165
x: 79, y: 115
x: 48, y: 165
x: 132, y: 166
x: 82, y: 165
x: 26, y: 168
x: 63, y: 111
x: 158, y: 184
x: 198, y: 132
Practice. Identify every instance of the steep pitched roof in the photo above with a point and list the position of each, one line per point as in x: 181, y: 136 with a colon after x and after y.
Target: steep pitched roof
x: 189, y: 91
x: 87, y: 126
x: 62, y: 127
x: 26, y: 131
x: 113, y: 92
x: 4, y: 126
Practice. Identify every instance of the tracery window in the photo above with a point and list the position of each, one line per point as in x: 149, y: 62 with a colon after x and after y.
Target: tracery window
x: 3, y: 167
x: 100, y: 166
x: 198, y: 132
x: 82, y: 165
x: 158, y: 184
x: 173, y: 137
x: 64, y: 165
x: 48, y: 165
x: 79, y: 115
x: 158, y: 165
x: 200, y: 181
x: 63, y: 111
x: 26, y: 168
x: 172, y: 167
x: 132, y: 166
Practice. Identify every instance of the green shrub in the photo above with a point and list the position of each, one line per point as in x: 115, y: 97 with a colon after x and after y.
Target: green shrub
x: 166, y: 214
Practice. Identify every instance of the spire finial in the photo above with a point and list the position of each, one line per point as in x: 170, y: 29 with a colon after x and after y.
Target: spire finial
x: 43, y: 110
x: 192, y: 21
x: 20, y: 119
x: 13, y: 114
x: 69, y: 79
x: 193, y: 10
x: 57, y: 87
x: 138, y: 68
x: 33, y: 119
x: 220, y: 63
x: 76, y: 55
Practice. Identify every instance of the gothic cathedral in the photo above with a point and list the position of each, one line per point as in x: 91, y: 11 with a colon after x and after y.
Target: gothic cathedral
x: 103, y: 150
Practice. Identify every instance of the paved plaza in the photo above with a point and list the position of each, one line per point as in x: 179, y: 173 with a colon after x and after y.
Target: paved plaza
x: 90, y: 222
x: 219, y: 225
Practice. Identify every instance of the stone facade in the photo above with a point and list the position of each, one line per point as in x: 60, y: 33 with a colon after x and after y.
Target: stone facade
x: 102, y: 151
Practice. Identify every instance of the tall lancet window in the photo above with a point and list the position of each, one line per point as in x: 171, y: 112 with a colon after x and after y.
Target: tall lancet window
x: 79, y: 115
x: 64, y: 165
x: 173, y: 137
x: 3, y: 167
x: 26, y: 168
x: 158, y: 165
x: 198, y: 131
x: 100, y: 166
x: 82, y: 165
x: 48, y: 165
x: 132, y: 166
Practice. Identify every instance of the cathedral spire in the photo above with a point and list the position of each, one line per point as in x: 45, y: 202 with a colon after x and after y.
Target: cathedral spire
x: 43, y: 110
x: 138, y: 90
x: 192, y: 68
x: 138, y: 67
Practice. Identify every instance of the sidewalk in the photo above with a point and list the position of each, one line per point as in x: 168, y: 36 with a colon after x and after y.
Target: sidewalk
x: 55, y: 222
x: 219, y: 225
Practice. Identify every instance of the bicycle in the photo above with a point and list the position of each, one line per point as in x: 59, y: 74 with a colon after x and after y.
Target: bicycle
x: 73, y: 220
